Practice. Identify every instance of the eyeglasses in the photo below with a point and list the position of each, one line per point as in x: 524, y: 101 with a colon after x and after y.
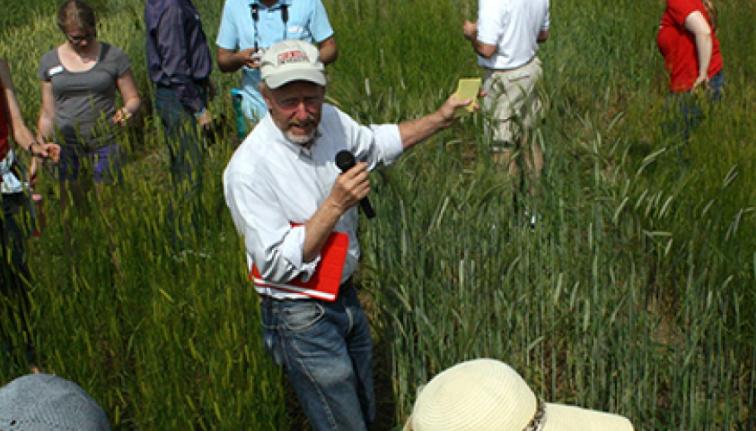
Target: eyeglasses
x: 292, y: 103
x: 79, y: 39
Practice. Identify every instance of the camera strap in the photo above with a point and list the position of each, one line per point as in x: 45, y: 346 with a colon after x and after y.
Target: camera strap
x: 254, y: 10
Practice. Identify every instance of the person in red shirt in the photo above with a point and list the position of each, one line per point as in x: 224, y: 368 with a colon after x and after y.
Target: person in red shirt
x: 689, y: 45
x: 14, y: 272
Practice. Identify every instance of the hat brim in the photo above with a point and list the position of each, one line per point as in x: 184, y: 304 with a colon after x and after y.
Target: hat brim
x: 560, y: 417
x: 284, y: 77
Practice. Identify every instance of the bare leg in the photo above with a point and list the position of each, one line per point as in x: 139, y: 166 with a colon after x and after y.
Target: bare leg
x: 506, y: 156
x: 534, y: 167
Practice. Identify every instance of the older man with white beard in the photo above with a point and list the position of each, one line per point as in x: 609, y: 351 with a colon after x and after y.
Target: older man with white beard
x: 296, y: 211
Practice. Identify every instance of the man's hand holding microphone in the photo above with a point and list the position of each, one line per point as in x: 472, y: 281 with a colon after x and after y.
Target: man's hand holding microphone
x: 354, y: 180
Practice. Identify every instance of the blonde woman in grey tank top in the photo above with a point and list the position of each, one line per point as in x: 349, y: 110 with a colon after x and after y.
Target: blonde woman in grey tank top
x: 79, y: 81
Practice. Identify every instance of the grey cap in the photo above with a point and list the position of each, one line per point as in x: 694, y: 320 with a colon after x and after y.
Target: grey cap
x: 42, y: 402
x: 289, y: 61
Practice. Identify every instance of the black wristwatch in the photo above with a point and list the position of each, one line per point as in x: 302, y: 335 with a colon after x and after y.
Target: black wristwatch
x: 35, y: 142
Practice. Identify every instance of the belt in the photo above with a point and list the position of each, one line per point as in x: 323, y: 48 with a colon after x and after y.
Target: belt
x: 512, y: 68
x: 199, y: 82
x: 343, y: 287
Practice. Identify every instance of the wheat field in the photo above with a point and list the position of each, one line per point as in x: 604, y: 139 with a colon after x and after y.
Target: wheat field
x: 634, y: 294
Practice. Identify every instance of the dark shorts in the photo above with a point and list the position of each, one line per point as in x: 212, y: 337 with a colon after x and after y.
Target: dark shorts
x: 104, y: 163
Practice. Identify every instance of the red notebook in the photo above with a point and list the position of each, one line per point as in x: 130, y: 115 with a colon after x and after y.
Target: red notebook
x: 324, y: 283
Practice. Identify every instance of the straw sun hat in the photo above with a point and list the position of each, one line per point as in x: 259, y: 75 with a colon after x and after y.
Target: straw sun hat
x: 488, y: 395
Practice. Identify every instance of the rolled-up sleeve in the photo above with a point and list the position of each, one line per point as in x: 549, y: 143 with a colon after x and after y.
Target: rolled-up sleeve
x: 291, y: 250
x: 272, y: 244
x: 377, y: 144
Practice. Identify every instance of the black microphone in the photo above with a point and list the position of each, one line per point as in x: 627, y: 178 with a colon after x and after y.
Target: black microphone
x: 345, y: 161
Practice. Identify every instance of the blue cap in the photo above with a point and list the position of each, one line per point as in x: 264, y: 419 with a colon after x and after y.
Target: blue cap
x: 42, y: 402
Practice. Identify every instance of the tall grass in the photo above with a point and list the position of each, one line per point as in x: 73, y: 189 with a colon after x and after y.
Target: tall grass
x: 633, y: 294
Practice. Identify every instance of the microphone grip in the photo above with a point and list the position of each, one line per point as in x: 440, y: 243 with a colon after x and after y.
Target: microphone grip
x: 367, y: 209
x: 344, y: 161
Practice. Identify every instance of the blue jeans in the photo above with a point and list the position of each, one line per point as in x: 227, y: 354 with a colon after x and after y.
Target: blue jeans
x: 687, y: 112
x: 183, y: 138
x: 326, y: 350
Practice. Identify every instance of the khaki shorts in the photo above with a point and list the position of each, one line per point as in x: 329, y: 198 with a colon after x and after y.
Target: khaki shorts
x: 511, y: 104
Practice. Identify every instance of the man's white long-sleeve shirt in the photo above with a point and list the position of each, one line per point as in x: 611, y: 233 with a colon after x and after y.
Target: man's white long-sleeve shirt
x: 271, y: 183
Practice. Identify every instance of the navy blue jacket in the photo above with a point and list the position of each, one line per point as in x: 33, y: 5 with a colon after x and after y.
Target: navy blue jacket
x: 177, y: 52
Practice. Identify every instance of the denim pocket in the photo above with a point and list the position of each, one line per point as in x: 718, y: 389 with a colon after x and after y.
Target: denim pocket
x: 300, y: 315
x: 270, y: 332
x: 272, y: 345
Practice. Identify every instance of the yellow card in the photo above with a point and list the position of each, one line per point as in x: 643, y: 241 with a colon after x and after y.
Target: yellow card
x: 468, y: 88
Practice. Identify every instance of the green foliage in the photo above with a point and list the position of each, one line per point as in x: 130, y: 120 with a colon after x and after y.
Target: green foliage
x: 633, y: 294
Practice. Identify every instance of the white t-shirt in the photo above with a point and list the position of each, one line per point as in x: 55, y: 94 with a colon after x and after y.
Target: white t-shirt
x: 10, y: 183
x: 513, y: 26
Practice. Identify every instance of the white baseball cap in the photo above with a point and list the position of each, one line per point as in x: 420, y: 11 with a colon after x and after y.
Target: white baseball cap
x: 291, y: 60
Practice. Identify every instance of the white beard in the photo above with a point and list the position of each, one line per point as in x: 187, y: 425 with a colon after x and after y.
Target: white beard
x: 301, y: 139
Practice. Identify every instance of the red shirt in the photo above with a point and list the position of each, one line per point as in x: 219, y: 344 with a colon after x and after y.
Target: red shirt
x: 4, y: 129
x: 678, y: 46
